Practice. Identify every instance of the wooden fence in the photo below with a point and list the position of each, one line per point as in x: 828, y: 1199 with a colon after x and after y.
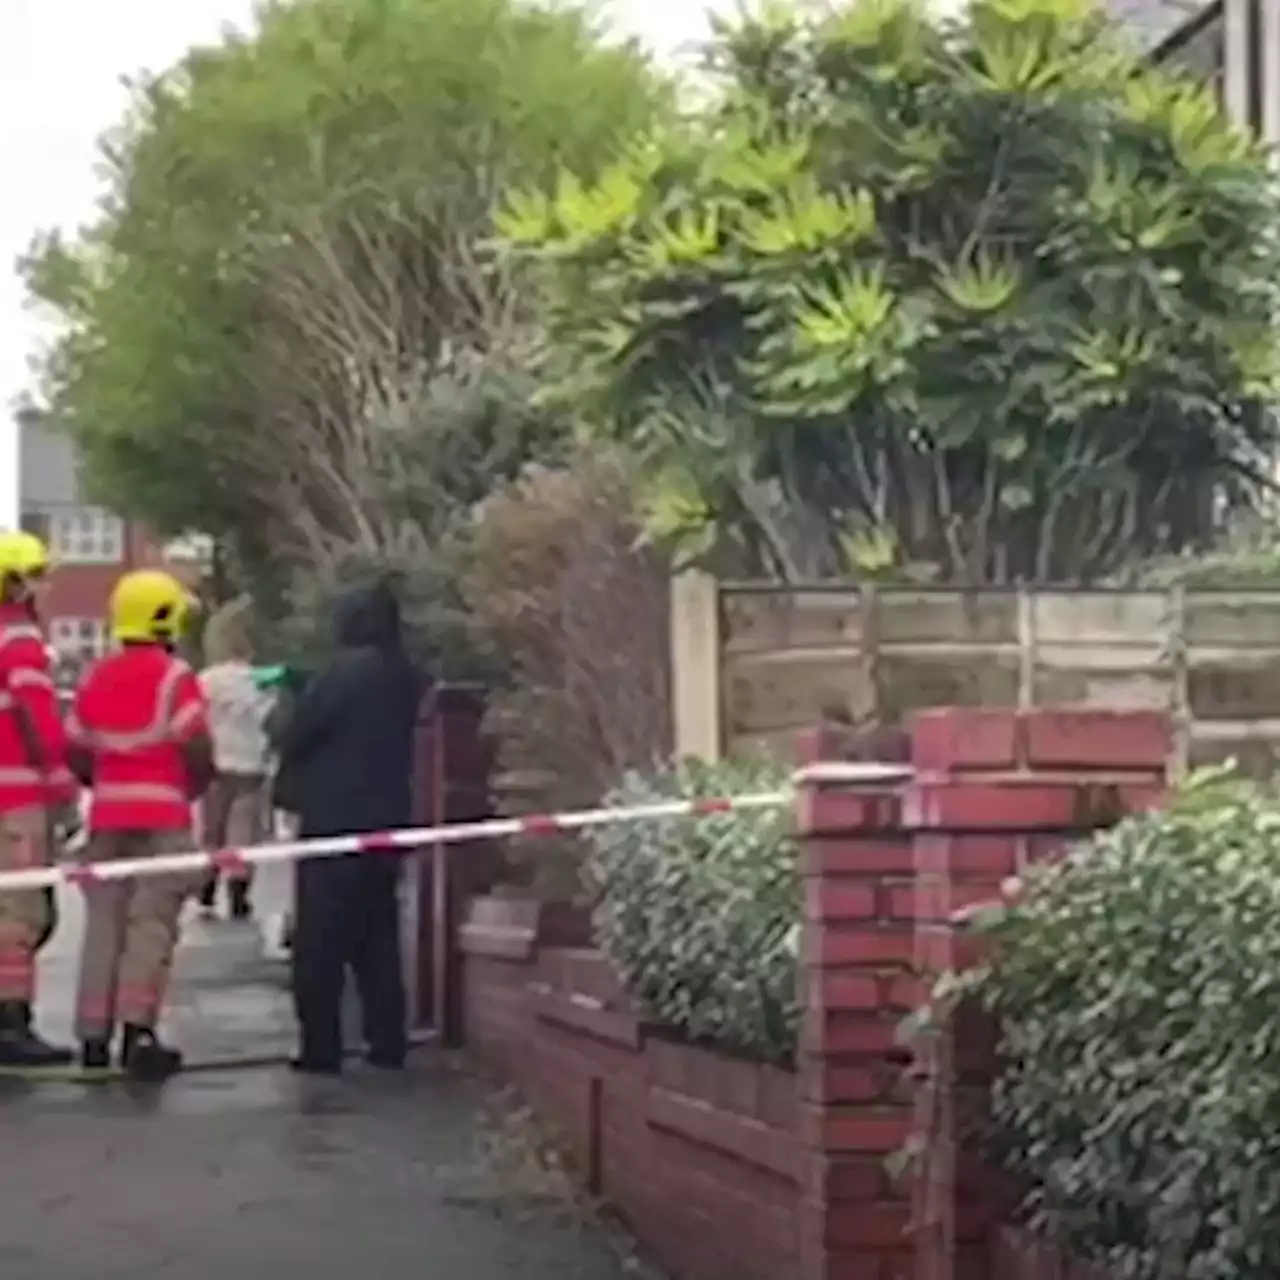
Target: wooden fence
x: 754, y: 662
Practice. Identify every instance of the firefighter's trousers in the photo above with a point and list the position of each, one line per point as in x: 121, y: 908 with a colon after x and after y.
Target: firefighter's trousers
x: 131, y: 930
x: 26, y: 839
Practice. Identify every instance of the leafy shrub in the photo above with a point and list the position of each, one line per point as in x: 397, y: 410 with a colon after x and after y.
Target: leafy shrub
x: 1248, y: 559
x: 842, y: 324
x: 1137, y: 985
x: 574, y: 615
x: 424, y: 580
x: 700, y: 917
x: 432, y: 460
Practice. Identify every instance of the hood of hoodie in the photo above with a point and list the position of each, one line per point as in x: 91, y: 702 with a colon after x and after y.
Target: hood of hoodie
x: 367, y: 617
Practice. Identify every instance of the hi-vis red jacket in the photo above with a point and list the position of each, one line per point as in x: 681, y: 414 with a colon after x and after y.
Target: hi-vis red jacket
x: 33, y: 746
x: 135, y: 712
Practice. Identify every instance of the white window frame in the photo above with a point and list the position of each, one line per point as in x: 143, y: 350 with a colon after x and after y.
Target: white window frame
x: 195, y: 548
x: 78, y: 638
x: 86, y: 535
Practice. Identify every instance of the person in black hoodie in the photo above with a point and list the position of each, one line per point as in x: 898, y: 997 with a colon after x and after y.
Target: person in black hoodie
x: 347, y: 754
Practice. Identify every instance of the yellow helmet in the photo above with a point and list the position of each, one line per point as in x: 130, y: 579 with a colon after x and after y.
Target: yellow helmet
x: 148, y: 604
x: 22, y: 555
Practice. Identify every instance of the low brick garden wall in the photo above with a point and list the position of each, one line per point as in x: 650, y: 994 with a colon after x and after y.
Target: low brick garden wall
x: 731, y: 1171
x: 699, y: 1152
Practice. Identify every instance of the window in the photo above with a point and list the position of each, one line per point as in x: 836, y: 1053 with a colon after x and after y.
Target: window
x: 194, y: 549
x: 86, y: 536
x: 78, y: 640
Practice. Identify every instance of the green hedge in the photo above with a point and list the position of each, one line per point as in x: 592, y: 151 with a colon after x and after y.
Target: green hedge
x: 1137, y: 985
x: 701, y: 917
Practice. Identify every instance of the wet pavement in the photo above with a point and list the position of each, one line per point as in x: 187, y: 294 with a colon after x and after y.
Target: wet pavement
x: 256, y: 1172
x: 252, y: 1171
x: 229, y: 996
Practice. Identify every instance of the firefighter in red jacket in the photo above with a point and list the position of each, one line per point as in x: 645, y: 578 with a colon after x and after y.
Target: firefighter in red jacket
x: 139, y: 739
x: 34, y: 782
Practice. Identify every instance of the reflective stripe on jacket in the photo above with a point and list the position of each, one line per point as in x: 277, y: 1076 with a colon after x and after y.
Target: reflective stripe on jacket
x: 33, y: 746
x: 133, y: 712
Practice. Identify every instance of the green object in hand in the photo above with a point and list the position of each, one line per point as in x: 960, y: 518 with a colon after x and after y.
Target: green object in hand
x: 270, y: 677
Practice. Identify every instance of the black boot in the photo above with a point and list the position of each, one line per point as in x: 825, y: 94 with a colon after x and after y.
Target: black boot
x: 95, y: 1055
x: 146, y: 1058
x: 20, y: 1046
x: 208, y: 895
x: 238, y: 895
x: 313, y: 1065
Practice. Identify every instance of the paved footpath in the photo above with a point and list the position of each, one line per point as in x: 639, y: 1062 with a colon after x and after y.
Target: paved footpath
x: 251, y: 1173
x: 254, y: 1173
x: 229, y: 998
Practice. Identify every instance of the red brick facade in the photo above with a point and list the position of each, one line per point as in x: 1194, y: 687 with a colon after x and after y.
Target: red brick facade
x: 78, y: 594
x: 887, y: 870
x: 701, y: 1153
x: 82, y: 590
x: 737, y: 1172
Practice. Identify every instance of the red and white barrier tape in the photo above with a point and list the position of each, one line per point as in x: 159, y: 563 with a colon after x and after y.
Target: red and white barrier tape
x: 233, y: 861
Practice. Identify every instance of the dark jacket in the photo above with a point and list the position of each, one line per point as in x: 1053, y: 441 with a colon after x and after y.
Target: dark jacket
x: 276, y: 725
x: 346, y: 751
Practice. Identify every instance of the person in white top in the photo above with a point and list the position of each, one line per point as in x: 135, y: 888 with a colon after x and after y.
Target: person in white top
x: 234, y: 810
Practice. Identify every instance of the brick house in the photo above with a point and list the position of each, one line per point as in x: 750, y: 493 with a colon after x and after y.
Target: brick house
x: 91, y: 547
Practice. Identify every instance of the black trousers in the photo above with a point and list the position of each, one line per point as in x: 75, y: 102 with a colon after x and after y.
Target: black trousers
x: 50, y: 918
x: 347, y: 917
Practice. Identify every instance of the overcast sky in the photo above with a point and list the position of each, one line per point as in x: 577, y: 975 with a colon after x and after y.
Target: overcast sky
x: 60, y: 67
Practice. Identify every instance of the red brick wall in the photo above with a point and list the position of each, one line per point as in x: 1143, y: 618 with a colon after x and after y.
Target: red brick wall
x: 736, y: 1172
x: 860, y: 977
x: 82, y: 590
x: 887, y: 869
x: 700, y: 1153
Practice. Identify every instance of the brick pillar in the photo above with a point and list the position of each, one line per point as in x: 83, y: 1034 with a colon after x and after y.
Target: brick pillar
x: 857, y: 956
x: 887, y: 862
x: 992, y: 791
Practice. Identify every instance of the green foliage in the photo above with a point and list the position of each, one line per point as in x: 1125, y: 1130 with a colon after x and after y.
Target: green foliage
x: 299, y: 631
x: 1137, y: 983
x: 1246, y: 559
x: 982, y: 294
x: 575, y: 616
x: 700, y: 917
x: 292, y: 255
x: 460, y: 438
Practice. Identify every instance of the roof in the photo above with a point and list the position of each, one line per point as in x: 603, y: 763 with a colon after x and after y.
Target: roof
x: 1156, y: 21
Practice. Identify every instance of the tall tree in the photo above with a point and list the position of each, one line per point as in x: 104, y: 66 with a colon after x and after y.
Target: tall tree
x: 284, y: 327
x: 985, y: 296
